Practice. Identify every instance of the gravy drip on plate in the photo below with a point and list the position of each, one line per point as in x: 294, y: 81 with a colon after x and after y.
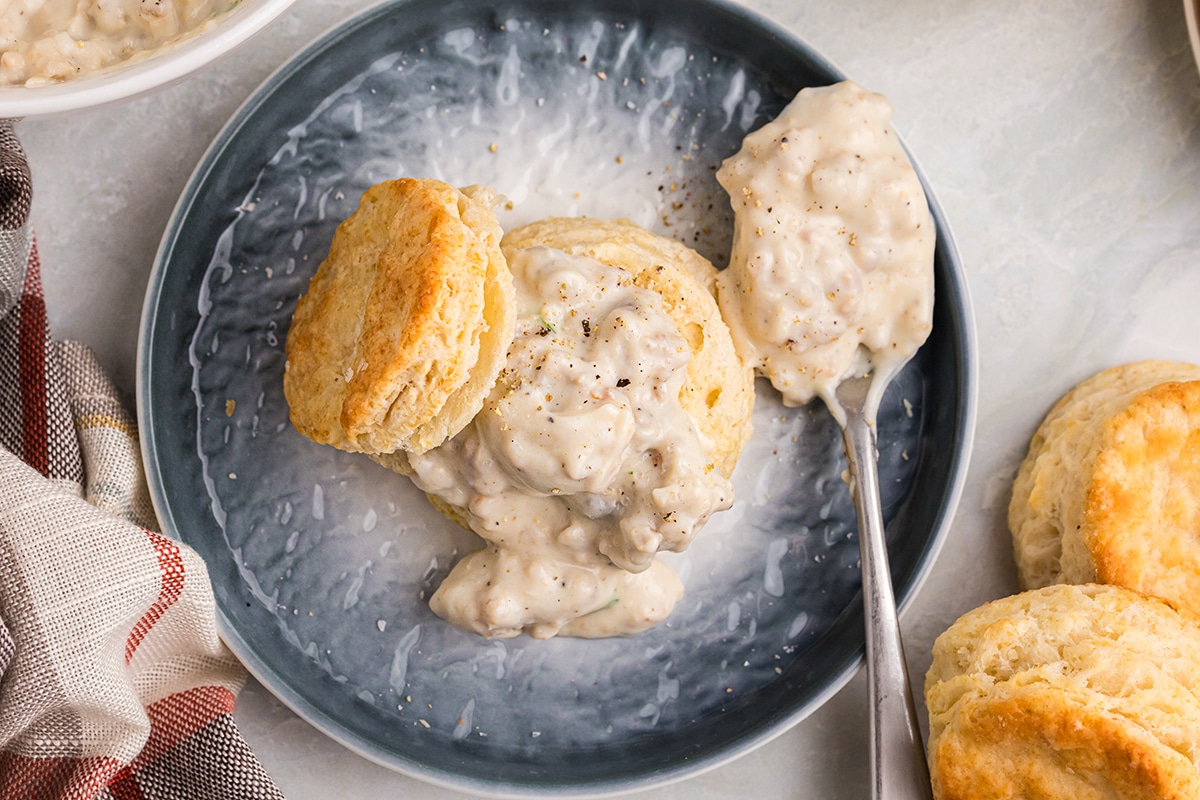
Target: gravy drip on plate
x: 46, y: 41
x: 581, y: 466
x: 831, y: 273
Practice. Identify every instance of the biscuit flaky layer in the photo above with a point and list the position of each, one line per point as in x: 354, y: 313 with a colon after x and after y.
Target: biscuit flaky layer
x: 405, y: 324
x: 1110, y: 488
x: 1067, y: 692
x: 719, y: 391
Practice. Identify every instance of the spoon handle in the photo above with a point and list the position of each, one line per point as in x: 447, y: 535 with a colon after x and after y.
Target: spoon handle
x: 898, y: 767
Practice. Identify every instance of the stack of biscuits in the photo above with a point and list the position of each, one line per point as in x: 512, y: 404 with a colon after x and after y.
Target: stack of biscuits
x: 1087, y: 684
x: 1110, y: 489
x: 405, y: 326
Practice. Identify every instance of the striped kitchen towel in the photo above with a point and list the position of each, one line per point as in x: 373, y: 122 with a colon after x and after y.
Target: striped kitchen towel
x: 113, y: 682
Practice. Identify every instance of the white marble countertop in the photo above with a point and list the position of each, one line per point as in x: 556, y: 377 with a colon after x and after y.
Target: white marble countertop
x: 1062, y: 139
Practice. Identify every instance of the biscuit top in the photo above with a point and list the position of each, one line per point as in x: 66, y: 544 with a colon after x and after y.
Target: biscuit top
x: 1110, y: 489
x: 1143, y: 510
x: 719, y: 390
x: 1070, y: 692
x: 405, y: 324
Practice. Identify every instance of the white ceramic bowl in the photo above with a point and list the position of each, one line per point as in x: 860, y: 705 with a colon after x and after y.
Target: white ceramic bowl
x: 1191, y: 11
x: 151, y: 71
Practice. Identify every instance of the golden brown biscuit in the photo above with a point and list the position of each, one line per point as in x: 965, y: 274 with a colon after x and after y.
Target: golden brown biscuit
x: 406, y: 323
x: 719, y: 391
x: 1110, y: 488
x: 1071, y: 692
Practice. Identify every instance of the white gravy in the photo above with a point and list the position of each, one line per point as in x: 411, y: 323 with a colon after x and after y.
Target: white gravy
x: 581, y: 466
x: 831, y: 273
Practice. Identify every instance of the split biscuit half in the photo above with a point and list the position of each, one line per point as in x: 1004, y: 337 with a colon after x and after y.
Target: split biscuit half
x: 1110, y: 489
x: 719, y: 391
x: 406, y: 323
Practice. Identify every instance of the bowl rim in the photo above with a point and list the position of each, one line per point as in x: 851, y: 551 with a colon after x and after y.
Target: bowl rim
x: 146, y: 72
x: 960, y: 310
x: 1191, y: 12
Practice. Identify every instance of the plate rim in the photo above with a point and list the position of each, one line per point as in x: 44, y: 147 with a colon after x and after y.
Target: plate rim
x: 965, y: 391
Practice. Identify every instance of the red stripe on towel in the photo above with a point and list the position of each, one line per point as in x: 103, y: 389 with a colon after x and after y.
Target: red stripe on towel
x: 25, y: 778
x: 31, y: 358
x: 124, y: 786
x: 170, y: 563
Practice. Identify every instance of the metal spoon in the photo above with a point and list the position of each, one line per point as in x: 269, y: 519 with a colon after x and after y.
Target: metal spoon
x: 898, y: 767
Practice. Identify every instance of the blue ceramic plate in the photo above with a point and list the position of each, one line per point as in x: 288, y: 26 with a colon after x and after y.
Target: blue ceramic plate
x: 322, y: 561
